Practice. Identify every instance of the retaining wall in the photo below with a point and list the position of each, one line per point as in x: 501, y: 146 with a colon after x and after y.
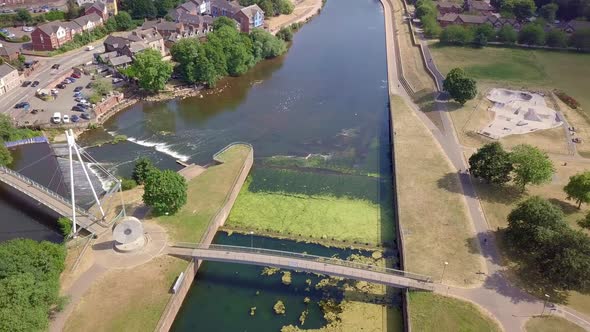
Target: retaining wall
x: 217, y: 221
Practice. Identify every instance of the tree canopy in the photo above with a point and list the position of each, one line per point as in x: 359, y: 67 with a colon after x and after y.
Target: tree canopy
x: 5, y: 156
x: 23, y: 15
x: 578, y: 188
x: 124, y: 21
x: 491, y: 163
x: 507, y: 34
x: 143, y: 166
x: 549, y: 11
x: 271, y: 7
x: 459, y: 86
x: 531, y: 165
x: 580, y: 40
x: 556, y: 38
x: 165, y: 191
x: 140, y: 9
x: 151, y: 71
x: 29, y: 283
x: 457, y: 35
x: 532, y: 34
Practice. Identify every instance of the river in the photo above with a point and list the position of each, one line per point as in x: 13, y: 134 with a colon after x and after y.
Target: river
x: 327, y: 96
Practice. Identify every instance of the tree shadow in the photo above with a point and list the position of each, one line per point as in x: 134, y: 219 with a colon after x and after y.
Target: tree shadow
x: 106, y: 245
x: 566, y: 207
x: 503, y: 194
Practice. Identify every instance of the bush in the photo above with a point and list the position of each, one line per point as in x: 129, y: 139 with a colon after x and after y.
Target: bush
x: 568, y: 100
x: 165, y: 191
x: 507, y: 35
x: 286, y: 34
x: 127, y: 184
x: 556, y: 38
x: 457, y: 35
x: 532, y: 34
x: 143, y: 166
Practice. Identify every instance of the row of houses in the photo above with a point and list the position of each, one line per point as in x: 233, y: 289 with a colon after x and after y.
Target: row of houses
x: 53, y: 35
x: 9, y: 78
x: 203, y: 12
x: 121, y: 50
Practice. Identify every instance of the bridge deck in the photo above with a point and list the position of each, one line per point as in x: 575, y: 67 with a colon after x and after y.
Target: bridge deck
x: 325, y: 266
x: 48, y: 198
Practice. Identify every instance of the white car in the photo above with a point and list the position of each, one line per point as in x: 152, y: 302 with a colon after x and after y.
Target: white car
x: 89, y: 48
x: 56, y: 118
x: 66, y: 118
x: 117, y: 80
x: 28, y: 29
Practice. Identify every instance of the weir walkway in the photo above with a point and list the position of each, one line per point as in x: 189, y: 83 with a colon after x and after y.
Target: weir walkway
x: 303, y: 262
x: 50, y: 199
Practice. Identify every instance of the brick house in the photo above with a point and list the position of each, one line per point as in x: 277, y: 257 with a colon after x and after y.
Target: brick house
x: 50, y: 36
x: 9, y: 51
x: 573, y: 26
x: 9, y: 78
x: 477, y: 6
x: 249, y: 18
x: 99, y: 9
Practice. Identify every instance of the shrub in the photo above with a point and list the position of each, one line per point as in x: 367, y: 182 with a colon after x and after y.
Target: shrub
x: 128, y: 184
x: 65, y: 225
x: 568, y: 100
x: 285, y: 34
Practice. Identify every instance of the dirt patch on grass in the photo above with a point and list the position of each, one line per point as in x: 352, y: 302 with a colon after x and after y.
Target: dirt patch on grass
x: 432, y: 210
x: 120, y: 300
x: 303, y: 9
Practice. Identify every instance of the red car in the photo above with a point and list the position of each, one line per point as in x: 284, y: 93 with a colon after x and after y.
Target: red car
x: 75, y: 75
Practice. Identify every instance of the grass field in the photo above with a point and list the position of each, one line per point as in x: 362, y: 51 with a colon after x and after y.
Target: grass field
x: 551, y: 324
x: 206, y: 195
x: 133, y: 306
x: 341, y: 218
x: 432, y: 212
x: 430, y: 312
x: 530, y: 68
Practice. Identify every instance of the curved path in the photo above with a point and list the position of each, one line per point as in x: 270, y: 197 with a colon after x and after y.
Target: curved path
x: 509, y: 304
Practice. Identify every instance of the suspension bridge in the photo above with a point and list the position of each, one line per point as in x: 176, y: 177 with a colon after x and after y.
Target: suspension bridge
x: 65, y: 207
x: 303, y: 262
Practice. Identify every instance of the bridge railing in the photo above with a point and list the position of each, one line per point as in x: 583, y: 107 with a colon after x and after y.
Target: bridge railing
x: 287, y: 254
x: 46, y: 191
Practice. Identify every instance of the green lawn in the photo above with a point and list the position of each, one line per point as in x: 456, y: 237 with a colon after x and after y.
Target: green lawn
x: 290, y: 212
x: 551, y: 324
x: 566, y: 71
x: 206, y: 195
x: 431, y: 312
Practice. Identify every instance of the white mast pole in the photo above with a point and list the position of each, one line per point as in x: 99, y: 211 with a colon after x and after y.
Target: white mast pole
x: 73, y: 196
x: 87, y: 176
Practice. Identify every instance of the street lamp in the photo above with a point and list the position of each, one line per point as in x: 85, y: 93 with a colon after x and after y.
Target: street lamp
x: 545, y: 303
x: 251, y: 239
x: 443, y: 272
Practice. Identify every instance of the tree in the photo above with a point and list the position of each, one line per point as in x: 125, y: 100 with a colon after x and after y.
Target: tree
x: 205, y: 70
x: 223, y: 21
x: 124, y: 21
x: 164, y: 6
x: 531, y: 165
x: 5, y: 156
x: 65, y: 225
x: 165, y: 191
x: 578, y: 188
x: 23, y: 16
x: 530, y: 223
x: 556, y: 38
x: 532, y: 34
x: 507, y: 34
x: 265, y: 45
x: 143, y: 166
x: 523, y: 9
x: 491, y: 163
x: 286, y: 34
x: 102, y: 86
x: 185, y: 52
x: 140, y: 9
x: 585, y: 223
x: 285, y: 7
x: 459, y: 86
x: 150, y: 70
x: 580, y: 40
x: 431, y: 27
x: 456, y: 34
x: 73, y: 10
x: 549, y: 11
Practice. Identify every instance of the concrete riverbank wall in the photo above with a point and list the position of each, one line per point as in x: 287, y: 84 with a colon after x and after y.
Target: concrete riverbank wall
x: 174, y: 304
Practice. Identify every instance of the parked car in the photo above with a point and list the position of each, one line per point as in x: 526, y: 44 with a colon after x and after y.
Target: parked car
x: 54, y: 92
x: 28, y: 29
x: 22, y: 104
x: 56, y: 118
x: 77, y: 108
x: 117, y: 80
x: 83, y: 105
x: 85, y: 116
x: 61, y: 86
x: 35, y: 84
x: 66, y: 118
x: 74, y: 118
x: 78, y: 88
x: 71, y: 79
x: 89, y: 48
x: 4, y: 31
x: 76, y: 75
x: 55, y: 66
x: 26, y: 84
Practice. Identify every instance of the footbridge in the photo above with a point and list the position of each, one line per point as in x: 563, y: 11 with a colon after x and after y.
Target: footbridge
x: 50, y: 199
x: 303, y: 262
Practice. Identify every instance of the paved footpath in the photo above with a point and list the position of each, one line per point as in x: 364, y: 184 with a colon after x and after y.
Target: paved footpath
x: 511, y: 306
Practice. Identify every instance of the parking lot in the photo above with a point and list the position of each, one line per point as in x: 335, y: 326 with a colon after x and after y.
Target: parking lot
x: 63, y: 103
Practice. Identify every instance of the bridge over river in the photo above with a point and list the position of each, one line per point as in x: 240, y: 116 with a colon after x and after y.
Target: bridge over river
x: 304, y: 262
x: 50, y: 199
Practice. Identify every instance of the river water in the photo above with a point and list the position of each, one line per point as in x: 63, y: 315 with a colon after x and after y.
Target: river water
x: 327, y: 96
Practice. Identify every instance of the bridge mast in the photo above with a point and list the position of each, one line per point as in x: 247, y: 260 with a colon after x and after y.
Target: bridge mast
x: 72, y: 142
